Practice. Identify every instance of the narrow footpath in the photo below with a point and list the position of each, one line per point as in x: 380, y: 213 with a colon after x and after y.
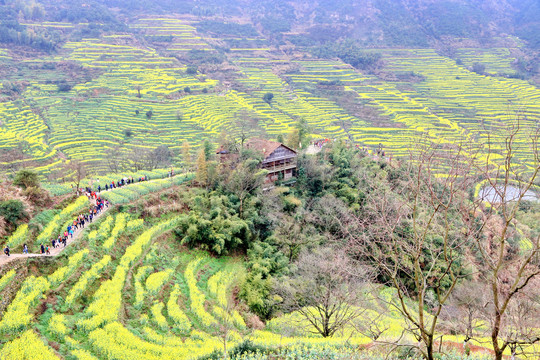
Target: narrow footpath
x: 4, y: 259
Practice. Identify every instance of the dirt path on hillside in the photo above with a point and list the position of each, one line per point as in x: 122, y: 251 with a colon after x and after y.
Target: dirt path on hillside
x: 4, y: 259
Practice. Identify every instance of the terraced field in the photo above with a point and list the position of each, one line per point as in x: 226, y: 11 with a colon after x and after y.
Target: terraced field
x: 126, y: 290
x: 183, y: 33
x: 134, y: 96
x: 119, y: 294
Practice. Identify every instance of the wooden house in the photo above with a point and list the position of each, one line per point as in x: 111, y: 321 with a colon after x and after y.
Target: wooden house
x: 278, y: 159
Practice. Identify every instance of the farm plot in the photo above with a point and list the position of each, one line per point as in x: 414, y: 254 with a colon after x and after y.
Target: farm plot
x: 4, y: 54
x: 22, y: 128
x: 136, y: 98
x: 86, y: 130
x: 289, y: 105
x: 495, y: 60
x: 367, y: 132
x: 131, y: 95
x: 99, y: 54
x: 179, y: 303
x: 467, y: 101
x: 449, y: 105
x: 179, y: 35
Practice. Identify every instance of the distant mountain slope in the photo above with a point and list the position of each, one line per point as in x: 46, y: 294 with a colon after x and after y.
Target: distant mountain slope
x: 120, y: 85
x: 411, y: 23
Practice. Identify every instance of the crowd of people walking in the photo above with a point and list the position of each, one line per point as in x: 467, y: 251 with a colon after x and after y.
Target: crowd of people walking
x: 116, y: 184
x: 78, y: 223
x: 87, y: 217
x: 110, y: 185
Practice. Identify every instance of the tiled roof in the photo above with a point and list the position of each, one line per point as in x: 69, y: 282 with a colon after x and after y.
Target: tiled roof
x: 267, y: 147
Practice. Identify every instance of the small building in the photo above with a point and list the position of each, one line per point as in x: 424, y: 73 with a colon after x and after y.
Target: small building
x: 278, y: 159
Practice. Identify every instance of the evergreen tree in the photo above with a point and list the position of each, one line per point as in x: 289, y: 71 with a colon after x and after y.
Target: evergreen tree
x: 303, y: 131
x: 207, y: 146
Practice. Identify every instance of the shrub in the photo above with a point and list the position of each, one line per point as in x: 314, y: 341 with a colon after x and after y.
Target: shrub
x: 265, y: 261
x: 247, y: 347
x: 25, y: 179
x: 479, y: 68
x: 12, y: 211
x: 218, y: 235
x: 268, y: 97
x: 191, y: 70
x: 64, y: 87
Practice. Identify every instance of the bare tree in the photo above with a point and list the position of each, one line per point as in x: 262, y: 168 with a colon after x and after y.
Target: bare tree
x: 293, y: 232
x: 247, y: 125
x: 138, y: 88
x: 136, y: 157
x: 225, y: 330
x: 462, y: 313
x: 508, y: 261
x: 521, y: 330
x: 115, y: 159
x: 159, y: 157
x: 371, y: 323
x: 77, y: 170
x: 326, y: 290
x: 424, y: 240
x: 414, y: 239
x: 142, y: 158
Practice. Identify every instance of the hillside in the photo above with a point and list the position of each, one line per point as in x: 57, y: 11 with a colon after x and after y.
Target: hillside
x: 181, y: 269
x: 122, y: 93
x: 280, y: 180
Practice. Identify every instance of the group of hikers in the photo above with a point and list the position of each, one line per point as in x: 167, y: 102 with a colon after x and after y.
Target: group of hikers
x: 112, y: 185
x: 320, y: 143
x: 78, y: 223
x: 82, y: 219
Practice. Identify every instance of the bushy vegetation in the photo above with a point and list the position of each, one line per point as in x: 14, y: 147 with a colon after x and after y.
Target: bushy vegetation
x: 350, y: 53
x: 11, y: 32
x: 231, y: 29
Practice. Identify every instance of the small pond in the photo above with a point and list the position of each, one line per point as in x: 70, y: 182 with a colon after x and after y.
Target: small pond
x: 512, y: 194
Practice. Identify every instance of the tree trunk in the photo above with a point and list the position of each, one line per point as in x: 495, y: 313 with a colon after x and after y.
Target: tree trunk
x: 429, y: 348
x: 495, y: 336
